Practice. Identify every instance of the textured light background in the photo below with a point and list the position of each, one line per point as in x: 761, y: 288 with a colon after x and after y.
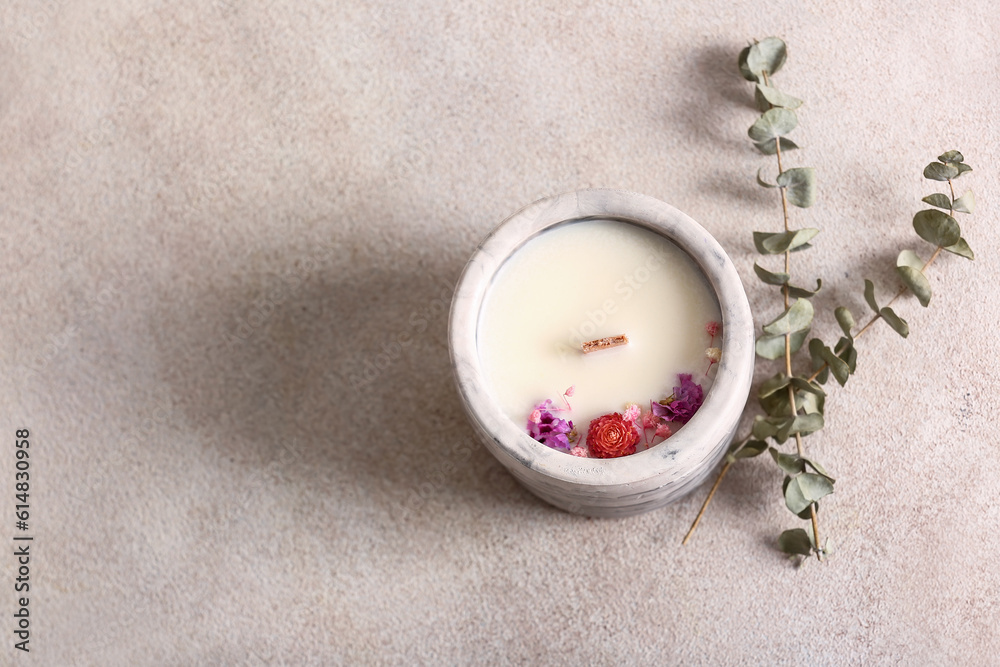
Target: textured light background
x: 214, y: 214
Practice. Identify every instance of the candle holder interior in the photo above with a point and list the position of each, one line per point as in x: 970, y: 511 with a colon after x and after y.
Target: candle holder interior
x: 638, y: 482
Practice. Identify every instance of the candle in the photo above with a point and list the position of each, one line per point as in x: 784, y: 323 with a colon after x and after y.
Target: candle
x: 590, y: 280
x: 581, y: 267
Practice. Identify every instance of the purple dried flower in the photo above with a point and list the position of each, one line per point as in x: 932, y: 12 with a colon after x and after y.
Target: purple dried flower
x: 549, y: 429
x: 683, y: 403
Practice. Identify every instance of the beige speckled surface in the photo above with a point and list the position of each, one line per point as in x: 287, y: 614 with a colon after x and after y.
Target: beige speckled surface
x: 214, y: 216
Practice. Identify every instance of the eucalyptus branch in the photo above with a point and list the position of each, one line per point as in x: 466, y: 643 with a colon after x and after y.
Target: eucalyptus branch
x: 794, y: 404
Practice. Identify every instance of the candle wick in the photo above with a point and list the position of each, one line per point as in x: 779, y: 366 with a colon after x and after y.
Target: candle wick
x: 604, y: 343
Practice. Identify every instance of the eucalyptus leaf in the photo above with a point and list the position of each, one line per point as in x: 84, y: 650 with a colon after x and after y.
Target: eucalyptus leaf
x: 773, y: 347
x: 961, y: 248
x: 763, y: 428
x: 773, y: 384
x: 936, y: 227
x: 803, y: 293
x: 780, y: 242
x: 910, y: 266
x: 769, y: 147
x: 744, y: 67
x: 966, y: 203
x: 819, y: 351
x: 796, y: 542
x: 805, y: 489
x: 778, y: 404
x: 766, y: 56
x: 805, y: 515
x: 940, y: 172
x: 793, y: 465
x: 819, y: 367
x: 844, y: 319
x: 962, y: 168
x: 772, y: 124
x: 806, y: 386
x: 798, y: 317
x: 939, y: 200
x: 809, y: 403
x: 761, y: 181
x: 952, y: 156
x: 809, y: 396
x: 828, y: 546
x: 769, y: 96
x: 801, y: 424
x: 845, y: 350
x: 910, y: 259
x: 782, y: 425
x: 897, y: 323
x: 870, y: 295
x: 751, y: 449
x: 819, y: 469
x: 800, y: 186
x: 768, y: 277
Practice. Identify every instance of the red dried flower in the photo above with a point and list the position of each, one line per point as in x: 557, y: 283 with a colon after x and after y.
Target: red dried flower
x: 611, y: 436
x: 712, y: 329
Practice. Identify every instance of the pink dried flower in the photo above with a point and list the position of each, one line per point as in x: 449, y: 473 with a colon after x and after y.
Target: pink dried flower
x: 569, y: 392
x: 713, y: 354
x: 535, y: 417
x: 649, y: 420
x: 549, y: 429
x: 712, y: 329
x: 683, y: 403
x: 663, y: 430
x: 579, y: 451
x: 631, y: 412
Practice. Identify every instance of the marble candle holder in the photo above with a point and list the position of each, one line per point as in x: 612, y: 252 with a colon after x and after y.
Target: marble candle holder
x: 647, y: 479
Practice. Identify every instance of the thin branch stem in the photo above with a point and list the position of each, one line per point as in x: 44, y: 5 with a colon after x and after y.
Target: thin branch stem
x: 704, y: 505
x: 901, y: 292
x: 715, y: 486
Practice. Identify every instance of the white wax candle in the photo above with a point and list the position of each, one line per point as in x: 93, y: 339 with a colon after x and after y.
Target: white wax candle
x: 586, y: 280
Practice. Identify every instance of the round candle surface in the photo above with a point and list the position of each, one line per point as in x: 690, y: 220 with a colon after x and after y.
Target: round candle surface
x: 585, y: 280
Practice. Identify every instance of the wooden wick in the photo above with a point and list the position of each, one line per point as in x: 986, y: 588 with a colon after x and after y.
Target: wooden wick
x: 604, y: 343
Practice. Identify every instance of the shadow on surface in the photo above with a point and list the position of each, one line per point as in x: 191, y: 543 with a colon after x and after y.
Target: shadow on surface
x: 335, y: 372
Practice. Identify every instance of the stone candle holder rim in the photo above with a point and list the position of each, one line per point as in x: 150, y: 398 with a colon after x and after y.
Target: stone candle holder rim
x: 683, y: 459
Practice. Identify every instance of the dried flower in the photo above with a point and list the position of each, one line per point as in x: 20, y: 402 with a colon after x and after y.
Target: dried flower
x: 611, y: 436
x: 683, y: 403
x: 579, y: 451
x: 712, y: 329
x: 713, y: 354
x: 535, y: 417
x: 649, y: 420
x: 663, y: 430
x: 631, y: 412
x: 549, y: 429
x: 569, y: 392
